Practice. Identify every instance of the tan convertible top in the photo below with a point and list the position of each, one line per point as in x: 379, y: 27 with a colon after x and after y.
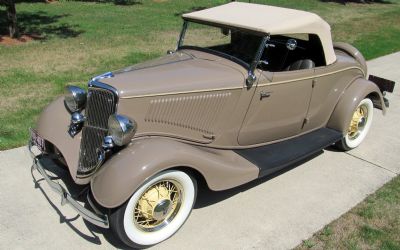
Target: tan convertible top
x: 270, y: 20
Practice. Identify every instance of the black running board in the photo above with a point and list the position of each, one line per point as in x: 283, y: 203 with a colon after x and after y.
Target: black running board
x: 274, y: 157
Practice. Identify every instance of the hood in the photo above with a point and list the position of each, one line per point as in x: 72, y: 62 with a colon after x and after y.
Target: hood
x: 176, y: 73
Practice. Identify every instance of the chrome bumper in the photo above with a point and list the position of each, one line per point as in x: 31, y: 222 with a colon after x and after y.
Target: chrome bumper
x: 97, y: 218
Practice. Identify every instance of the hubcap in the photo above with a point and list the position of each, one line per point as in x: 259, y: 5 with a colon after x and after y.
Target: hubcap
x: 158, y: 205
x: 358, y: 122
x: 162, y: 209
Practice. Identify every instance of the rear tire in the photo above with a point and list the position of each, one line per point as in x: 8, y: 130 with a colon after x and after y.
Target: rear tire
x: 359, y: 126
x: 156, y: 210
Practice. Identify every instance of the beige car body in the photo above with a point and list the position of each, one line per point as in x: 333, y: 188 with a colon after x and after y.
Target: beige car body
x: 193, y: 109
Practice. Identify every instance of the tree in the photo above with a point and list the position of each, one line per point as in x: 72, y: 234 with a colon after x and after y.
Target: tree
x: 11, y: 17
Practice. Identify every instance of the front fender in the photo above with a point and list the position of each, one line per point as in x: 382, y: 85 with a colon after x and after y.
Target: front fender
x: 53, y: 125
x: 358, y: 90
x: 127, y: 170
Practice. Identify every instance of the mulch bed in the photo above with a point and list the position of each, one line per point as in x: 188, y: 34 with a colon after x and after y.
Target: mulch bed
x: 8, y: 41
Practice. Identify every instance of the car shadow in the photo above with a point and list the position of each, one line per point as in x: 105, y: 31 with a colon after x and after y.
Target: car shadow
x: 76, y: 191
x: 61, y: 174
x: 333, y: 149
x: 205, y: 198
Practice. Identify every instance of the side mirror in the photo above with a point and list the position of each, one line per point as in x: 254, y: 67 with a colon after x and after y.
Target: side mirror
x: 251, y: 78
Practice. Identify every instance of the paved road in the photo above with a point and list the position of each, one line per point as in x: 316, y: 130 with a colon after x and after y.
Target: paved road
x: 274, y: 213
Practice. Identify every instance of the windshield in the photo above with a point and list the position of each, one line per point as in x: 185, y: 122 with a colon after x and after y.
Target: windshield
x: 235, y: 44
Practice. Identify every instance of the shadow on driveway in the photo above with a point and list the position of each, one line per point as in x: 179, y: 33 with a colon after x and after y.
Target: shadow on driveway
x: 205, y: 197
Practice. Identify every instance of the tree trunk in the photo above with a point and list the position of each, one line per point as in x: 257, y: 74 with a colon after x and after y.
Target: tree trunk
x: 12, y: 18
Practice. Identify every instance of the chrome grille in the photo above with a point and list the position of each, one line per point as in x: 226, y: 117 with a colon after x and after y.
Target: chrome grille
x: 101, y: 103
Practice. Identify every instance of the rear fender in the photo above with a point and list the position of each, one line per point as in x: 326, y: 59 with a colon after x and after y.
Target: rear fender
x: 358, y: 90
x: 127, y: 170
x: 353, y: 52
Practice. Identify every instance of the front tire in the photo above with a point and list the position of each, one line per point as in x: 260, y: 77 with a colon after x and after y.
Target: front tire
x: 156, y: 210
x: 359, y: 126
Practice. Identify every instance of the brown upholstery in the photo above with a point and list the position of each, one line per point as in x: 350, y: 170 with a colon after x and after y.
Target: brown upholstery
x: 301, y: 64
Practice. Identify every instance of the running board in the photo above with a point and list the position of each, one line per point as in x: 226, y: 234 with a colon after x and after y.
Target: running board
x: 274, y: 157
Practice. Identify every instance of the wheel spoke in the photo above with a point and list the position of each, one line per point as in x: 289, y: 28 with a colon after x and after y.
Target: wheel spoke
x: 157, y: 205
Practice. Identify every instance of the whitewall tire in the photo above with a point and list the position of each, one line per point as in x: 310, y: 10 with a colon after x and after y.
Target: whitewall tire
x: 156, y: 210
x: 359, y: 126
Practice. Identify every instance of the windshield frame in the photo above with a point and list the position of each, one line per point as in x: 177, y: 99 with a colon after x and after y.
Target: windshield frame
x: 249, y: 66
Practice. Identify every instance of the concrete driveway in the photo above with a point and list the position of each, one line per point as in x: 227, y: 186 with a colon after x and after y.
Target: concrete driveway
x: 274, y: 213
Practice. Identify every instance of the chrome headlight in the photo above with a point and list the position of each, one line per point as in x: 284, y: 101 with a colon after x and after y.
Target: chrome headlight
x: 121, y: 129
x: 75, y: 98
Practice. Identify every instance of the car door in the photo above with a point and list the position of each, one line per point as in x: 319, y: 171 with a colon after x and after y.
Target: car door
x: 329, y: 83
x: 278, y: 108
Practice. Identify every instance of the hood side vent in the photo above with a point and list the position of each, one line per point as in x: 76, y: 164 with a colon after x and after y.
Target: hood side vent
x: 197, y: 112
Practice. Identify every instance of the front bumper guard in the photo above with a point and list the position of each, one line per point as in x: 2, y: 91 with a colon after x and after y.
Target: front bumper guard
x: 97, y: 218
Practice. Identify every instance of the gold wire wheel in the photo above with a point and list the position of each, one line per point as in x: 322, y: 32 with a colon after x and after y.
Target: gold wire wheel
x: 358, y: 122
x: 158, y: 205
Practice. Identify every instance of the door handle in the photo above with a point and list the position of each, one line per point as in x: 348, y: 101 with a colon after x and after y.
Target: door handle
x: 265, y: 94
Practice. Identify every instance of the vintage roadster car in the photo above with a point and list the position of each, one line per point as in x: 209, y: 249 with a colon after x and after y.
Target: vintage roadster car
x: 249, y: 90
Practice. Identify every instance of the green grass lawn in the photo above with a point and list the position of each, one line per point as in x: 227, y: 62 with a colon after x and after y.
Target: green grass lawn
x: 82, y: 39
x: 373, y: 224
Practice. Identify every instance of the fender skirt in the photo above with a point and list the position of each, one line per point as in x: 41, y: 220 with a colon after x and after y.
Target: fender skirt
x: 358, y: 90
x: 127, y: 170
